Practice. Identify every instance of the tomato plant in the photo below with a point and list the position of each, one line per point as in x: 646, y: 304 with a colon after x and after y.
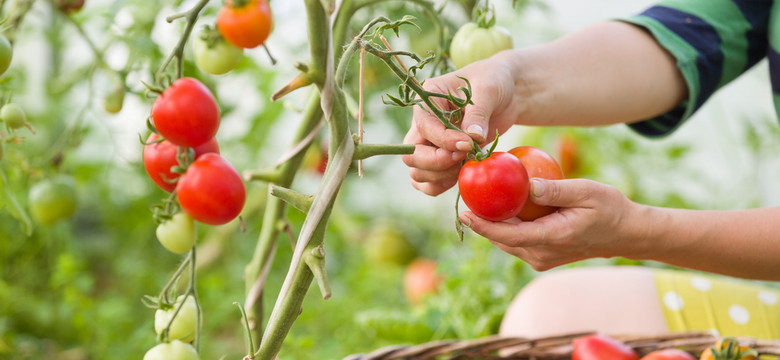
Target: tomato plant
x: 185, y: 322
x: 495, y: 188
x: 174, y: 350
x: 160, y: 156
x: 13, y: 116
x: 420, y: 280
x: 245, y: 23
x: 6, y: 54
x: 53, y: 199
x: 186, y: 113
x: 211, y: 190
x: 601, y: 347
x: 473, y: 42
x: 539, y: 164
x: 213, y: 54
x: 69, y: 6
x: 668, y: 354
x: 177, y: 234
x: 728, y: 349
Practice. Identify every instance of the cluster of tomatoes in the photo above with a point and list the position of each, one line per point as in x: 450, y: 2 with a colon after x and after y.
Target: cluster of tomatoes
x: 603, y: 347
x: 180, y: 321
x: 497, y: 188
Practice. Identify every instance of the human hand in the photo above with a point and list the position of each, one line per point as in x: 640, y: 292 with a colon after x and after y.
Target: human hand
x: 594, y: 220
x: 439, y: 152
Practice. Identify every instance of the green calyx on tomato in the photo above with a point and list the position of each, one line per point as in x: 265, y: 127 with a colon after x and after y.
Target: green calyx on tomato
x: 178, y: 233
x: 53, y: 199
x: 213, y: 54
x: 164, y: 161
x: 181, y: 319
x: 6, y: 54
x: 174, y: 350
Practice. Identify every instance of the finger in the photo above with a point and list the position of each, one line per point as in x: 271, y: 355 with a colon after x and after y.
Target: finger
x: 512, y: 232
x: 567, y: 193
x: 433, y: 188
x: 432, y: 158
x: 433, y: 130
x: 446, y: 175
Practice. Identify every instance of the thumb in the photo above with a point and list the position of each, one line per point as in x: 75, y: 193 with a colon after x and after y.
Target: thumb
x: 476, y: 122
x: 564, y: 193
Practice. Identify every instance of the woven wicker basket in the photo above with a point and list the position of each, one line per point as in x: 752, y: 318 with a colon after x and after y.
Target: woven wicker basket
x: 549, y: 348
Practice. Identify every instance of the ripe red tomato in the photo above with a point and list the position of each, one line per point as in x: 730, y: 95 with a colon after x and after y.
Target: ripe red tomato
x: 160, y: 157
x: 538, y: 164
x: 420, y: 280
x: 211, y: 190
x: 245, y: 23
x: 495, y: 188
x: 568, y: 153
x: 186, y: 113
x: 601, y: 347
x: 668, y: 354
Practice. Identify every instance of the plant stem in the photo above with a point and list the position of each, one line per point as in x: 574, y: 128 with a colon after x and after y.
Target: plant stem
x: 191, y: 17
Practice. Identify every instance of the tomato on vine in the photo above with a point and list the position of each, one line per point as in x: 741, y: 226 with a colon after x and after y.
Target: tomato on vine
x: 211, y: 190
x: 13, y: 116
x: 177, y: 234
x: 174, y: 350
x: 495, y: 188
x: 213, y: 54
x: 186, y: 113
x: 6, y: 54
x: 245, y: 23
x: 539, y: 164
x: 473, y: 42
x: 185, y: 322
x: 53, y: 199
x: 160, y: 156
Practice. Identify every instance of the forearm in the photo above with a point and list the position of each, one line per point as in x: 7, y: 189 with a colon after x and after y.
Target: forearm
x: 605, y: 74
x: 741, y: 243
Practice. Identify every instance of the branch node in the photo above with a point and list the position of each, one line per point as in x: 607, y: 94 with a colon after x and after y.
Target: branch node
x: 315, y: 260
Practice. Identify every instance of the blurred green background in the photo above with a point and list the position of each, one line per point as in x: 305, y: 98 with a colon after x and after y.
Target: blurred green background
x: 72, y: 289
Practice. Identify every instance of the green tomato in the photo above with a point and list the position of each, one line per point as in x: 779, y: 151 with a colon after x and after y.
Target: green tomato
x: 177, y: 234
x: 13, y: 116
x: 174, y: 350
x: 386, y: 244
x: 6, y: 54
x: 115, y: 98
x: 216, y: 56
x: 472, y: 43
x: 184, y: 324
x: 53, y: 199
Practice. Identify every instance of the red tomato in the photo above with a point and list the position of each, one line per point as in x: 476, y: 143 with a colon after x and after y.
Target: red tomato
x: 495, y: 188
x: 538, y: 164
x: 245, y: 23
x: 668, y: 354
x: 601, y: 347
x: 568, y: 153
x: 211, y: 190
x: 69, y: 6
x: 186, y: 113
x: 160, y: 157
x: 420, y: 280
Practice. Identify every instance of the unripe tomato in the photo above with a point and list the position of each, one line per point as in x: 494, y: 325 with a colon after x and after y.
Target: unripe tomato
x: 211, y: 190
x: 495, y: 188
x: 668, y: 354
x: 115, y: 98
x: 6, y: 54
x: 185, y: 323
x: 160, y: 157
x: 13, y: 116
x: 245, y: 23
x: 472, y: 43
x: 214, y: 55
x: 386, y: 244
x: 178, y: 233
x: 53, y: 199
x: 420, y: 280
x: 539, y: 164
x: 186, y: 113
x: 69, y: 6
x: 174, y: 350
x: 601, y: 347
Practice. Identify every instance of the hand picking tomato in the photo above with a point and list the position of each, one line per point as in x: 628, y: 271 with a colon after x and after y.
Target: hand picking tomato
x: 174, y: 350
x: 245, y: 23
x: 186, y: 113
x: 668, y: 354
x: 211, y: 190
x: 538, y: 164
x: 601, y: 347
x: 213, y: 54
x: 472, y: 42
x: 177, y: 234
x: 728, y: 349
x: 6, y: 54
x: 495, y: 188
x: 420, y: 280
x: 53, y: 199
x: 185, y: 323
x: 160, y: 157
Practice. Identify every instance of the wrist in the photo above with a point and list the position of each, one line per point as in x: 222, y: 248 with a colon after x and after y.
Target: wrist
x: 532, y: 89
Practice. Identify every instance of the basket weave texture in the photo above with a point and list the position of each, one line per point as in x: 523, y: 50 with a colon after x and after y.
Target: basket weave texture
x: 550, y: 348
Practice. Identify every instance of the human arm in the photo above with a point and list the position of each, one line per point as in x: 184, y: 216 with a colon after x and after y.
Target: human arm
x: 597, y: 221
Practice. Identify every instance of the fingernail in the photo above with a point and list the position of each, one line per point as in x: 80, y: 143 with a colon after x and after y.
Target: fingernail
x: 463, y: 145
x: 475, y: 130
x: 537, y: 188
x: 457, y: 156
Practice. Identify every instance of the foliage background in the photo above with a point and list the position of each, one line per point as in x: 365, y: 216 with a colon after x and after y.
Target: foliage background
x: 73, y: 290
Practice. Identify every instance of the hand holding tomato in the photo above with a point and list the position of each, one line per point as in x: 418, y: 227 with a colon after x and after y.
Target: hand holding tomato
x: 594, y: 220
x: 495, y: 188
